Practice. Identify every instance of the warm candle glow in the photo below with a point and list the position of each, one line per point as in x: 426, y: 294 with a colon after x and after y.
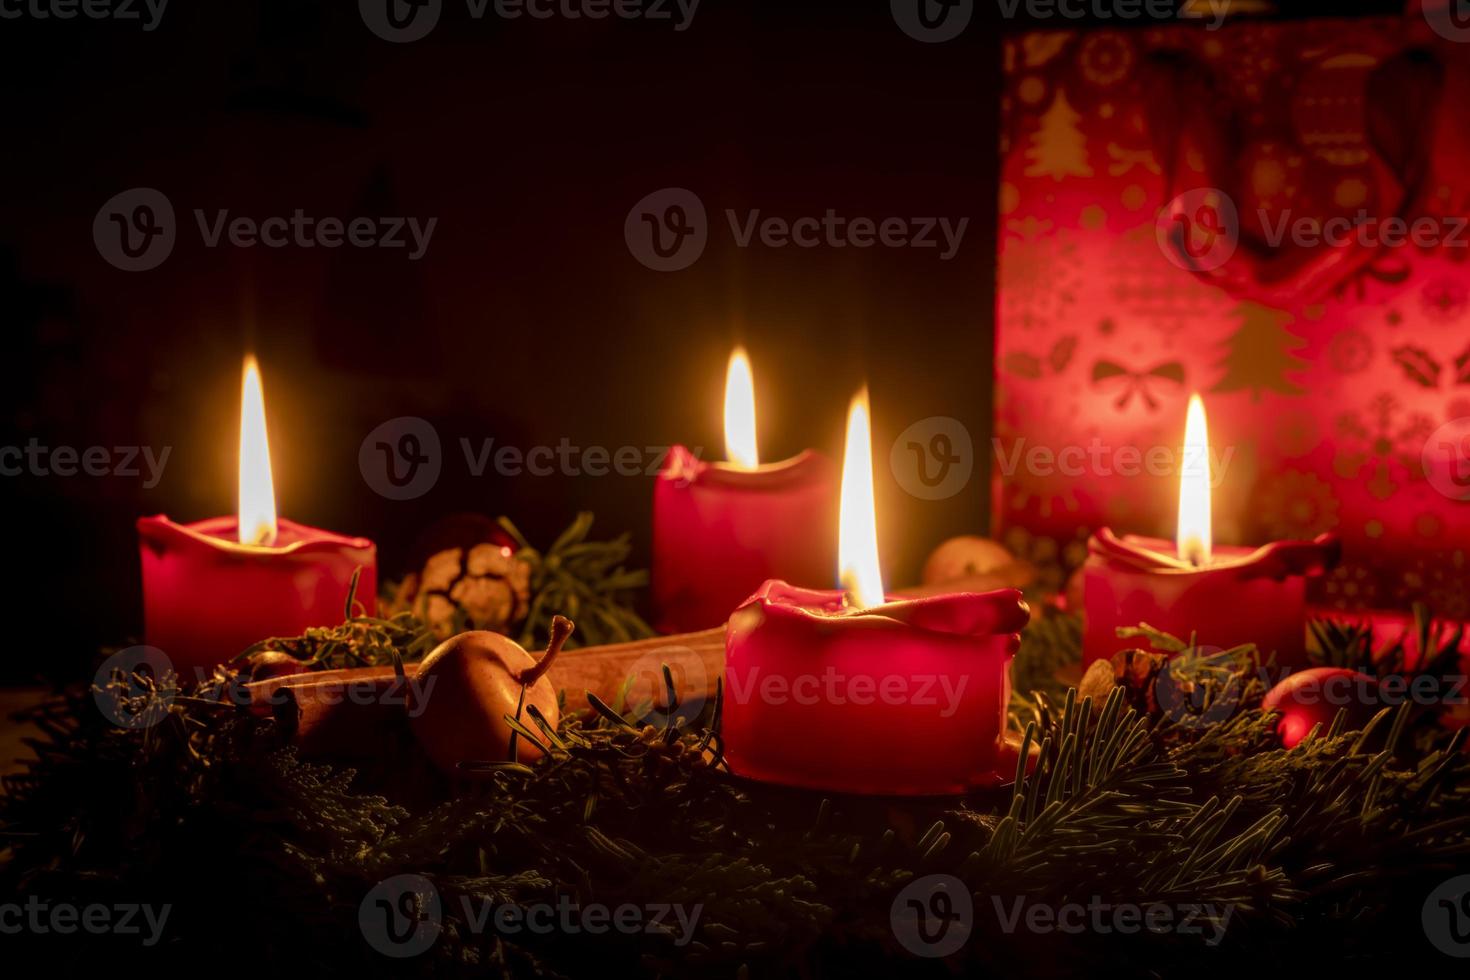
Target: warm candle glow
x: 740, y: 445
x: 257, y: 499
x: 857, y: 535
x: 1193, y: 537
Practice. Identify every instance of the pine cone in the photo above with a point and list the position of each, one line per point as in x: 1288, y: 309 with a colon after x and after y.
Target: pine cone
x: 484, y: 588
x: 1136, y: 671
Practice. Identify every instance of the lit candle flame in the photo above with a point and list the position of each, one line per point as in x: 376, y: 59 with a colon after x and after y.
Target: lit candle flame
x: 257, y: 500
x: 857, y: 535
x: 1193, y: 537
x: 740, y: 445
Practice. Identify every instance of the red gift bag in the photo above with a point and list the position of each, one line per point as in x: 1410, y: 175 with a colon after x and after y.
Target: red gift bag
x: 1160, y: 193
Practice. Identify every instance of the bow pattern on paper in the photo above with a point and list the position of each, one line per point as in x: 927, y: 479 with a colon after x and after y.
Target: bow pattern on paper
x: 1137, y: 382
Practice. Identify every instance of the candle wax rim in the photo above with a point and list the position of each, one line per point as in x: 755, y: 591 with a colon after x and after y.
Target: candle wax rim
x: 212, y: 532
x: 1222, y: 555
x: 1000, y: 611
x: 807, y: 466
x: 1276, y: 559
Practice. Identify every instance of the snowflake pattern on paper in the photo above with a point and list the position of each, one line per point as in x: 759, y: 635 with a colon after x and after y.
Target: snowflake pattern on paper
x: 1382, y: 446
x: 1351, y: 586
x: 1106, y: 58
x: 1143, y: 283
x: 1040, y: 275
x: 1296, y: 506
x: 1444, y: 585
x: 1444, y: 300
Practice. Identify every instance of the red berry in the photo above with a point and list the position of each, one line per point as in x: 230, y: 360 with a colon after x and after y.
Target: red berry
x: 1308, y: 697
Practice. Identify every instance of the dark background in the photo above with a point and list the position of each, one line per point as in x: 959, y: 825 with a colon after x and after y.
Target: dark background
x: 528, y: 320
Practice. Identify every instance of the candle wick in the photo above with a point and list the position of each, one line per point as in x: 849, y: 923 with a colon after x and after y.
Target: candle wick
x: 1191, y: 552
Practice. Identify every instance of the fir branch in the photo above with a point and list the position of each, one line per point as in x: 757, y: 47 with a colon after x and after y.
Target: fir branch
x: 583, y: 580
x: 1328, y: 842
x: 361, y: 641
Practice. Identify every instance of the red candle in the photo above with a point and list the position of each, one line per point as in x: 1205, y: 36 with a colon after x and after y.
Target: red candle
x: 212, y: 588
x: 1223, y: 596
x: 1244, y: 595
x: 720, y: 529
x: 851, y: 691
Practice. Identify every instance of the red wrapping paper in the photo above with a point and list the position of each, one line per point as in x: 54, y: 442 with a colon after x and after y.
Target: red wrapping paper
x: 1326, y: 371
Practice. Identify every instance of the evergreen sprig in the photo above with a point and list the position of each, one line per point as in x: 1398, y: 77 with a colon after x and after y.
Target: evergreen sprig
x: 358, y: 641
x: 1324, y: 850
x: 586, y: 581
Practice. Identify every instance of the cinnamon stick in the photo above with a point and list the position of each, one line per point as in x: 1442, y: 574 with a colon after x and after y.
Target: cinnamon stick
x: 349, y: 711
